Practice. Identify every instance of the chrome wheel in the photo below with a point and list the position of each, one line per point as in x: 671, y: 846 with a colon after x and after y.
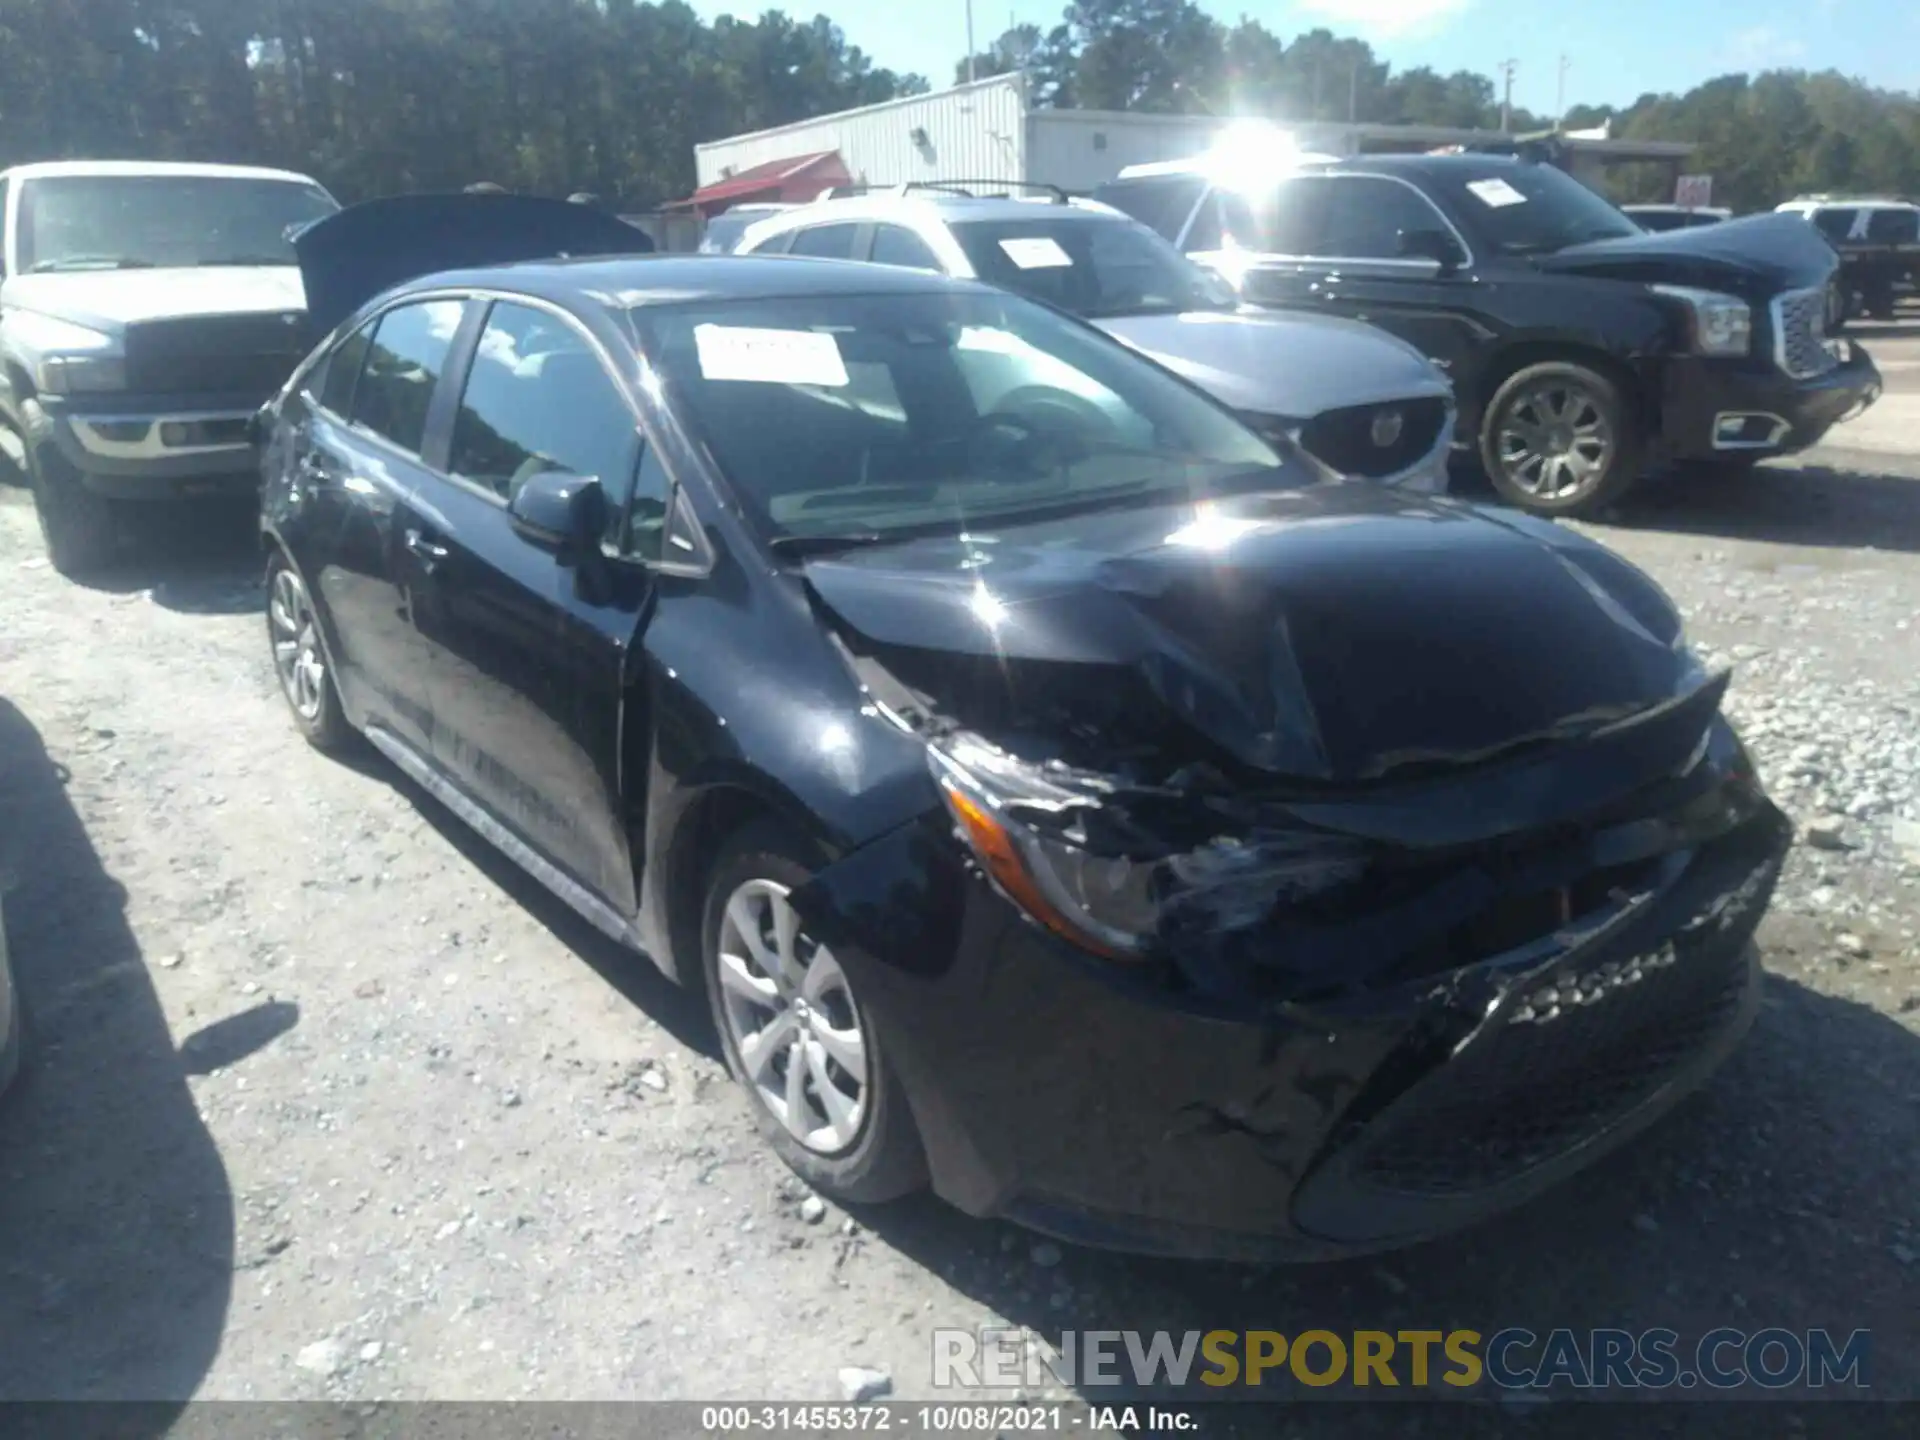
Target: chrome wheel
x: 792, y: 1020
x: 297, y: 656
x: 1555, y: 440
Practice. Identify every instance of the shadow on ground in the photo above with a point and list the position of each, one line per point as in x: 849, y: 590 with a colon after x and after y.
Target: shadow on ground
x: 1837, y: 506
x: 1781, y: 1196
x: 680, y: 1011
x: 1834, y: 505
x: 116, y: 1218
x: 199, y: 558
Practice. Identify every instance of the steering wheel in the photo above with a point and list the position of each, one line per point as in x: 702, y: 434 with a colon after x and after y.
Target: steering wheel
x: 1035, y: 430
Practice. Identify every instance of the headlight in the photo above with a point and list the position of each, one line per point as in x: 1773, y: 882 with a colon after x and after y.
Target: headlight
x: 1112, y: 905
x: 78, y: 374
x: 1720, y: 324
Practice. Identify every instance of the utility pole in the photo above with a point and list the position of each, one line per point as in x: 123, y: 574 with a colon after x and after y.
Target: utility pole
x: 1507, y: 67
x: 1353, y: 94
x: 970, y: 61
x: 1560, y: 94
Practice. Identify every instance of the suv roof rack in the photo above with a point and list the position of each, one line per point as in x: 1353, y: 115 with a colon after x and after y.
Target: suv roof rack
x: 960, y: 188
x: 957, y: 188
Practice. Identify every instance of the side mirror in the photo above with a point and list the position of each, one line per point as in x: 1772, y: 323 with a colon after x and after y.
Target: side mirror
x: 1435, y: 245
x: 566, y: 514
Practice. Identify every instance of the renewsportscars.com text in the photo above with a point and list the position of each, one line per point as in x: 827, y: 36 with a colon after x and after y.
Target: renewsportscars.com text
x: 1513, y: 1358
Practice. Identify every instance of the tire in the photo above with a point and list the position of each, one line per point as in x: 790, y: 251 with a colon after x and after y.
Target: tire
x: 306, y: 680
x: 880, y: 1159
x: 1575, y: 416
x: 78, y: 526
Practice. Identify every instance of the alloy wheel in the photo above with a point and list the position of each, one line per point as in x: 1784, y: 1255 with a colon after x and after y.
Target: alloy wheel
x: 297, y: 656
x: 792, y: 1020
x: 1555, y: 441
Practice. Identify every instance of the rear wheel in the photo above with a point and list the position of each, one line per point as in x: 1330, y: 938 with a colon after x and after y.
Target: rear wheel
x: 300, y: 661
x: 1559, y: 439
x: 796, y: 1036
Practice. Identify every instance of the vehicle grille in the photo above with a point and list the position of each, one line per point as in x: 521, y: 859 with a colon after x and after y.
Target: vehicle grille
x: 1560, y: 1065
x: 1345, y: 440
x: 1800, y: 333
x: 246, y: 356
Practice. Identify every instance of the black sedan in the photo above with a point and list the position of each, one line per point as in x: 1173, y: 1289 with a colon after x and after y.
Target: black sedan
x: 1062, y: 800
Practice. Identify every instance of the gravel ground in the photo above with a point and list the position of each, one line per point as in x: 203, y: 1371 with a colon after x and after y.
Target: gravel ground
x: 326, y: 1100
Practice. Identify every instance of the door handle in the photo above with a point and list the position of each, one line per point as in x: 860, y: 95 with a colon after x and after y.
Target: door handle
x: 424, y: 550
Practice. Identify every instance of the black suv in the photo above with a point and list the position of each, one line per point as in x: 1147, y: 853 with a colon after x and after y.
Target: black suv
x: 1582, y: 348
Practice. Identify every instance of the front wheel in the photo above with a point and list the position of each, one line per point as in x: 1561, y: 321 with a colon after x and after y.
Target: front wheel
x: 1559, y: 439
x: 78, y: 526
x: 796, y: 1034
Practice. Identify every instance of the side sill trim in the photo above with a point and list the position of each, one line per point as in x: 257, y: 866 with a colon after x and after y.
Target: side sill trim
x: 576, y: 896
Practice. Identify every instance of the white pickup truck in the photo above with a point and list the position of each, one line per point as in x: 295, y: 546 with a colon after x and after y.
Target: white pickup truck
x: 146, y: 311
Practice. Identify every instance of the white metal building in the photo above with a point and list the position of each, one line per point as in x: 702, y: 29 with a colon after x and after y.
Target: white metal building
x: 987, y: 131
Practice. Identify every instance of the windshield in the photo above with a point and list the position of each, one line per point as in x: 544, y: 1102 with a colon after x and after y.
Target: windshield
x: 862, y: 417
x: 1094, y: 267
x: 1531, y: 209
x: 105, y: 222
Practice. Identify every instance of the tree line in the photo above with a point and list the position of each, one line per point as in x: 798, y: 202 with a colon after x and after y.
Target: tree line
x: 550, y: 96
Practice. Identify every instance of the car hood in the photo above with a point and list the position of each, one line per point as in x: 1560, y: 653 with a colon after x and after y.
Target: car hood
x: 1294, y: 366
x: 111, y: 300
x: 1336, y: 633
x: 1778, y: 251
x: 354, y: 254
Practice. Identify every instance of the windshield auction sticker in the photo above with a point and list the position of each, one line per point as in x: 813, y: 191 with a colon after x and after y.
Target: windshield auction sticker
x: 1036, y: 252
x: 769, y: 357
x: 1496, y: 193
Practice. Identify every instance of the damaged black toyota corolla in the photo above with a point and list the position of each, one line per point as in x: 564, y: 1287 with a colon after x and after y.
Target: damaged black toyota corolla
x: 1063, y: 801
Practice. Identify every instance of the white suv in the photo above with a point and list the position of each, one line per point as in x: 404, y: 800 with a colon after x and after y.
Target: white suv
x: 1357, y: 402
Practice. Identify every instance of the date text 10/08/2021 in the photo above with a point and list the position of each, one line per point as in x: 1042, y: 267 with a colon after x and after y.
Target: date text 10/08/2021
x: 980, y: 1418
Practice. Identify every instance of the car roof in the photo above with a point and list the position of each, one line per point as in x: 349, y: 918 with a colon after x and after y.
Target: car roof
x: 53, y: 169
x: 624, y: 282
x: 948, y: 206
x: 1470, y: 164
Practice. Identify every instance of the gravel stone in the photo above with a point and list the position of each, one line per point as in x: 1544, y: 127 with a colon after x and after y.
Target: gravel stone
x: 322, y: 1357
x: 858, y: 1384
x: 813, y: 1209
x: 1827, y: 834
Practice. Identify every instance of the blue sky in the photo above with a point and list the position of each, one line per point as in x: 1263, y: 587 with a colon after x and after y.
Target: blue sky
x: 1616, y: 48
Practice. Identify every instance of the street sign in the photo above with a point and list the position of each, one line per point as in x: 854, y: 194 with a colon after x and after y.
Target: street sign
x: 1695, y: 192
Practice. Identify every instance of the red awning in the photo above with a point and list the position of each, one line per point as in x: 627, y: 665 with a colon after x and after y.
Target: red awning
x: 801, y: 177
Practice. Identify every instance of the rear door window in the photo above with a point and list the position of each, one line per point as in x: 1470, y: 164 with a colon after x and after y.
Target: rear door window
x: 1162, y: 205
x: 1290, y: 218
x: 403, y: 366
x: 1835, y: 224
x: 828, y: 242
x: 897, y: 245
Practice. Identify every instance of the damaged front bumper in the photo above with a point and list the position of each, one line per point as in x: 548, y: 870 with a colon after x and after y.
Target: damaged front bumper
x: 1149, y: 1110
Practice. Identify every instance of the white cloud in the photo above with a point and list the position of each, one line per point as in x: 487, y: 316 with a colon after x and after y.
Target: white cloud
x: 1763, y: 47
x: 1385, y: 17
